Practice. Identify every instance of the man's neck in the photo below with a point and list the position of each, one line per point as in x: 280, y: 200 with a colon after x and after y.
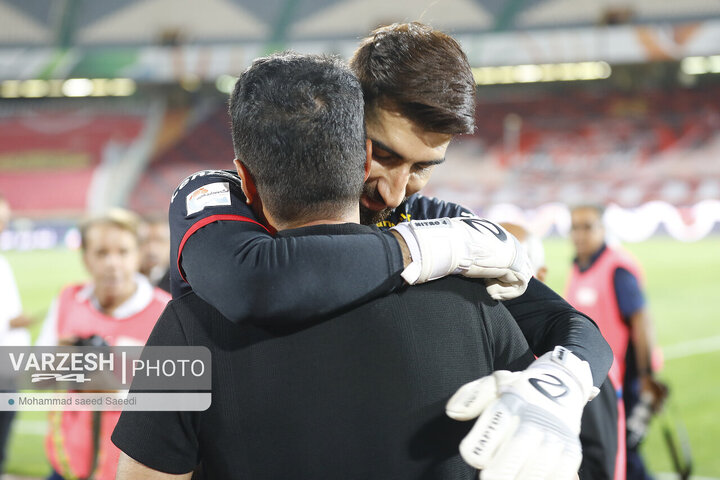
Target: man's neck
x: 347, y: 217
x: 585, y: 261
x: 109, y: 303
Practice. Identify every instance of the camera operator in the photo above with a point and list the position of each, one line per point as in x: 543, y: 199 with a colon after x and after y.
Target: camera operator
x: 118, y: 307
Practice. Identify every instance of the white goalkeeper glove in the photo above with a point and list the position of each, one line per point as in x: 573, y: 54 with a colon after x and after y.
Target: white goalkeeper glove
x: 472, y: 247
x: 529, y: 423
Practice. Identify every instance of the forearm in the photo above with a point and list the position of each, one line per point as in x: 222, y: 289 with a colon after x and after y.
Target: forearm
x: 130, y: 469
x: 252, y: 277
x: 643, y: 341
x: 547, y: 320
x: 404, y: 250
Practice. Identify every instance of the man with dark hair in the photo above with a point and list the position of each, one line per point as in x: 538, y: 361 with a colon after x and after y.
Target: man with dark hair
x: 606, y: 282
x: 419, y: 93
x: 360, y: 395
x: 318, y: 178
x: 434, y: 88
x: 232, y: 261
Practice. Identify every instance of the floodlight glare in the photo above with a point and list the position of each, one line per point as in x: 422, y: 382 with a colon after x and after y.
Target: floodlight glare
x: 55, y: 88
x: 694, y: 65
x: 225, y: 83
x: 561, y: 72
x: 77, y: 87
x: 714, y: 64
x: 120, y: 87
x: 528, y: 73
x: 10, y: 89
x: 34, y: 88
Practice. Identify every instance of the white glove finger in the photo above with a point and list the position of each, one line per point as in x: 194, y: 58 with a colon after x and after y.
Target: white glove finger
x: 504, y: 378
x: 568, y: 464
x: 472, y: 398
x: 491, y: 430
x: 513, y: 455
x: 479, y: 271
x: 543, y: 461
x: 503, y: 291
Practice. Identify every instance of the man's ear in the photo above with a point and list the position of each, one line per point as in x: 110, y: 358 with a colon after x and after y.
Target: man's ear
x: 84, y: 256
x: 542, y: 274
x: 368, y: 158
x: 248, y: 183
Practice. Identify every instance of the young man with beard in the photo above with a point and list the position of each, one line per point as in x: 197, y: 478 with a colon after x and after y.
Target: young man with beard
x: 419, y: 93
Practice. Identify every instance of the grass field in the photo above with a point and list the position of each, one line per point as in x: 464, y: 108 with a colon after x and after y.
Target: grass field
x: 684, y: 296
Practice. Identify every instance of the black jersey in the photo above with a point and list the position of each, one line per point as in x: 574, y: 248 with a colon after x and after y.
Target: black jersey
x: 360, y: 396
x: 235, y: 264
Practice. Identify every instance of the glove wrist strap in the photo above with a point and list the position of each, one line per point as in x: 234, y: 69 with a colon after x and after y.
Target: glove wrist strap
x: 412, y: 272
x: 430, y: 245
x: 578, y: 369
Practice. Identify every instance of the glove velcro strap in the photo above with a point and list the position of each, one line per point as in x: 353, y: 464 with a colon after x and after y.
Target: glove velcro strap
x: 431, y: 245
x: 578, y: 369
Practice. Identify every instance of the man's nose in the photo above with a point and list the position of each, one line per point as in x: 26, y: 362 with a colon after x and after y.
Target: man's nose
x: 113, y: 261
x: 393, y: 185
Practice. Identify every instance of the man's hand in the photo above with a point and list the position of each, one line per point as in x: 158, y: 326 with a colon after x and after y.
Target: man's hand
x: 131, y: 469
x: 655, y: 389
x: 21, y: 321
x: 529, y: 421
x: 472, y: 247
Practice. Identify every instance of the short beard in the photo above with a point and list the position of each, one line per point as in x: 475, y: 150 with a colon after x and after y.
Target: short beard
x: 372, y: 217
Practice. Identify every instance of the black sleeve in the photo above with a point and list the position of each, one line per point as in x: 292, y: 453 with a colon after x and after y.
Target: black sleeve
x: 547, y: 320
x: 232, y: 262
x: 510, y: 350
x: 251, y: 277
x: 599, y: 435
x: 164, y: 441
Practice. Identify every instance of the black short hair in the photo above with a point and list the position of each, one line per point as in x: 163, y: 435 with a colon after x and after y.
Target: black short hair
x: 297, y: 126
x: 420, y: 72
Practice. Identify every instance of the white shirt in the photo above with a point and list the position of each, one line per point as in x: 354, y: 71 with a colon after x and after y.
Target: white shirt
x: 10, y: 307
x: 137, y: 302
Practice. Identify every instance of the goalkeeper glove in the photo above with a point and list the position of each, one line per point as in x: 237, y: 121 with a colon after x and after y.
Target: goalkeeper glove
x: 529, y: 423
x: 472, y: 247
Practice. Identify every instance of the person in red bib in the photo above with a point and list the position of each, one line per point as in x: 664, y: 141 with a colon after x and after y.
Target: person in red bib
x: 119, y: 306
x: 606, y: 284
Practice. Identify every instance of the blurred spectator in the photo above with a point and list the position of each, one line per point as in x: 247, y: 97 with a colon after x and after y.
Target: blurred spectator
x: 118, y: 306
x: 606, y: 284
x: 155, y: 251
x: 599, y: 424
x: 13, y: 323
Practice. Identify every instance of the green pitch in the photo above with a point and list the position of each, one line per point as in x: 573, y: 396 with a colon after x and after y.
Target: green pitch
x: 682, y: 286
x: 684, y: 301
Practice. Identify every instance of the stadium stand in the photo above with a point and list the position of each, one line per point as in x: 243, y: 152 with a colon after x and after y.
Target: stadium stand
x: 594, y: 146
x: 49, y: 152
x: 204, y: 145
x: 528, y: 150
